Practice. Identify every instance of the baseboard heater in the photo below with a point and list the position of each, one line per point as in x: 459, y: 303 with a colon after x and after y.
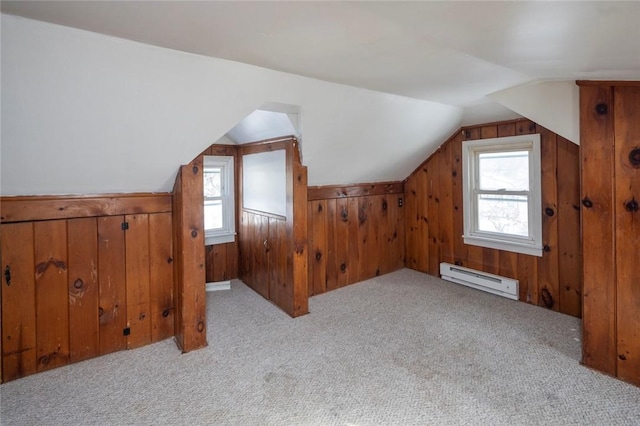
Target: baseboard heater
x: 502, y: 286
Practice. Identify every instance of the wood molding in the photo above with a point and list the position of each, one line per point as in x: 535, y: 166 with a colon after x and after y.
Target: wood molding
x: 27, y: 208
x: 607, y: 83
x: 357, y: 190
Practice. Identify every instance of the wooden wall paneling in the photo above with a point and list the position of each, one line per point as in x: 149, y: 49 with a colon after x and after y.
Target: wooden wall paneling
x: 411, y: 220
x: 18, y: 300
x: 297, y: 237
x: 368, y: 256
x: 420, y: 216
x: 354, y: 241
x: 342, y: 242
x: 161, y: 276
x: 330, y: 251
x: 445, y: 217
x: 569, y: 251
x: 393, y: 236
x: 220, y: 262
x: 188, y: 237
x: 310, y: 252
x: 232, y: 260
x: 137, y: 273
x: 433, y: 209
x: 527, y: 276
x: 627, y: 228
x: 399, y: 231
x: 52, y: 296
x: 598, y: 243
x: 280, y: 287
x: 261, y: 283
x: 319, y: 246
x: 460, y: 253
x: 548, y: 265
x: 27, y: 208
x: 112, y: 309
x: 83, y: 290
x: 245, y: 248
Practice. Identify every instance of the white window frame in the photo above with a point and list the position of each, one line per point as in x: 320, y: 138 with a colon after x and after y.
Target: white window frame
x: 531, y: 244
x: 228, y: 232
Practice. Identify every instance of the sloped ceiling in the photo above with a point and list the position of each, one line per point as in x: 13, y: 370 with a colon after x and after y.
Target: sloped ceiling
x: 417, y: 70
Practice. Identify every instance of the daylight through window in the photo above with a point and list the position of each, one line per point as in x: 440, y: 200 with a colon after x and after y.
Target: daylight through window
x: 502, y: 193
x: 219, y: 206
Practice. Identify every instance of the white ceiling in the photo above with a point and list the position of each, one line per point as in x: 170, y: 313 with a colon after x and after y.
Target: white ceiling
x: 449, y: 52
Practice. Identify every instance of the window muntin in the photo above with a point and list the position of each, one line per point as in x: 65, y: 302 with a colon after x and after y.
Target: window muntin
x: 219, y: 203
x: 502, y: 194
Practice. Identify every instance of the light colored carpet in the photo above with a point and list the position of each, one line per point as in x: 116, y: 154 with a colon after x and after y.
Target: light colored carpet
x: 401, y: 349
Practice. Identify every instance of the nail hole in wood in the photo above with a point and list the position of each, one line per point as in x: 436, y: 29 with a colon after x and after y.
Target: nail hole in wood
x: 549, y: 211
x: 631, y: 206
x: 587, y: 203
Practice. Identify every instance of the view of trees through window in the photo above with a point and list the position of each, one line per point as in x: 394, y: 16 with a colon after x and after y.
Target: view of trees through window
x: 503, y: 192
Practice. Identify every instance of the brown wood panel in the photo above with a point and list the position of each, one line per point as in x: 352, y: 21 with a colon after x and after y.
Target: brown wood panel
x: 84, y: 293
x: 570, y: 253
x: 342, y: 242
x: 161, y: 276
x: 411, y: 212
x: 232, y: 260
x: 188, y: 242
x: 460, y: 250
x: 25, y: 208
x: 280, y: 286
x: 598, y: 244
x: 366, y: 239
x: 627, y: 230
x: 359, y: 190
x: 433, y: 218
x: 138, y: 288
x: 528, y: 278
x: 112, y: 284
x: 330, y: 250
x: 261, y: 256
x: 319, y: 246
x: 52, y: 297
x: 297, y: 235
x: 445, y: 216
x: 354, y: 240
x: 18, y: 301
x: 548, y: 266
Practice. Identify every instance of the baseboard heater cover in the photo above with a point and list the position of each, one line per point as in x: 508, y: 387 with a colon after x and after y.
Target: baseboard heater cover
x: 501, y: 286
x: 218, y: 285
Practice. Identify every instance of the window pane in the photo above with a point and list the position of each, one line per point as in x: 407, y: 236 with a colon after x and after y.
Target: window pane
x: 506, y: 214
x: 213, y: 182
x: 213, y: 214
x: 504, y: 170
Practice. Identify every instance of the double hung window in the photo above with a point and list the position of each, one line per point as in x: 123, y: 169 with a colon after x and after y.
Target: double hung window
x: 502, y: 193
x: 219, y: 206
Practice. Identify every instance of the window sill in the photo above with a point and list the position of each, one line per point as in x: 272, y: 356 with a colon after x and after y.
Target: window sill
x: 529, y: 249
x: 219, y: 239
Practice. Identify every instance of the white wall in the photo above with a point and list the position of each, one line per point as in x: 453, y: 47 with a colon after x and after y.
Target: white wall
x: 552, y: 104
x: 87, y: 113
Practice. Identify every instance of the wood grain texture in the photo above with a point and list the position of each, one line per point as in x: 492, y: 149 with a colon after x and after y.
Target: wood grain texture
x: 443, y: 189
x: 27, y: 208
x: 52, y: 296
x: 359, y: 190
x: 627, y: 230
x: 355, y: 238
x: 188, y: 238
x: 18, y: 301
x: 84, y: 293
x: 161, y: 276
x: 112, y: 284
x: 138, y: 288
x: 598, y: 243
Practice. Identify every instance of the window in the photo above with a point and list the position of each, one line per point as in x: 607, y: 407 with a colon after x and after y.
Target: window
x: 502, y: 194
x: 219, y: 206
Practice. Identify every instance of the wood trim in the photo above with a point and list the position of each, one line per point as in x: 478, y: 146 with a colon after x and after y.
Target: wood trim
x: 28, y: 208
x: 607, y: 83
x: 357, y: 190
